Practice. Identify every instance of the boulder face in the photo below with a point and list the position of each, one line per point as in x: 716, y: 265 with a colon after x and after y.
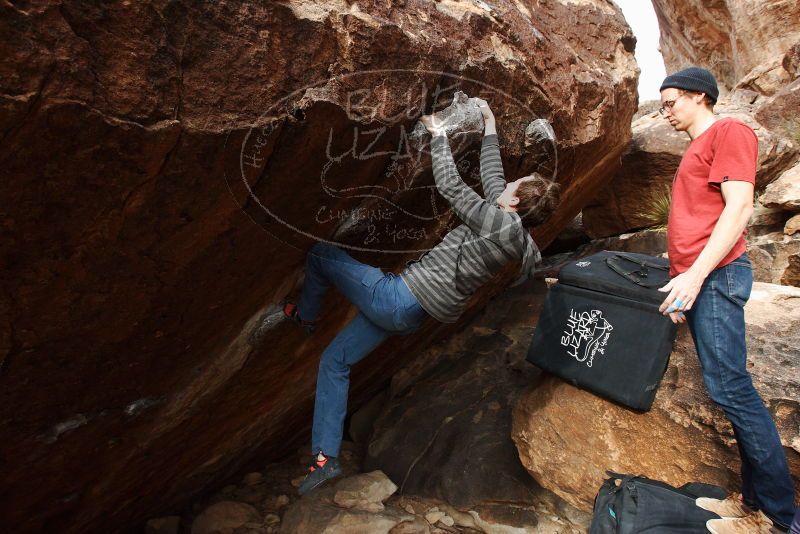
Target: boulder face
x: 165, y: 168
x: 567, y: 438
x: 779, y: 112
x: 775, y: 257
x: 740, y: 41
x: 784, y: 193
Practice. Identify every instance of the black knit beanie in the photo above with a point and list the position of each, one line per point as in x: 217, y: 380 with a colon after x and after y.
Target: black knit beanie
x: 693, y: 79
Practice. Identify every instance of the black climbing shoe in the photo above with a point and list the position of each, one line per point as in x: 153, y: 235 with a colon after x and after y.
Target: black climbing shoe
x: 290, y: 311
x: 319, y: 472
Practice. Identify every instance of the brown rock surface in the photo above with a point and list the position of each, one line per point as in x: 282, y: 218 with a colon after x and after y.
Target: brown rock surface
x: 773, y: 256
x: 163, y: 525
x: 766, y: 220
x: 568, y: 437
x: 317, y: 514
x: 784, y: 193
x: 779, y: 113
x: 729, y: 37
x: 133, y: 272
x: 791, y: 276
x: 225, y: 515
x: 366, y: 491
x: 791, y: 61
x: 352, y: 504
x: 792, y: 225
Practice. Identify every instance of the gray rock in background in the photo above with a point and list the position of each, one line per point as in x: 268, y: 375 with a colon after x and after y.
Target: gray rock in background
x: 225, y: 515
x: 366, y: 491
x: 318, y: 512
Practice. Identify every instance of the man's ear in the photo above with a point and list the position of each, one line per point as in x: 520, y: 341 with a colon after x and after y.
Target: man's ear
x: 513, y: 201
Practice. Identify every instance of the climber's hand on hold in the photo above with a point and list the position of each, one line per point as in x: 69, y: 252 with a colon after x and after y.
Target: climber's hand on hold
x: 432, y: 124
x: 486, y: 111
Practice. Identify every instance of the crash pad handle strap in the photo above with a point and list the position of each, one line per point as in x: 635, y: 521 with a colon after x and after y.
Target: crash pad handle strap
x: 615, y: 264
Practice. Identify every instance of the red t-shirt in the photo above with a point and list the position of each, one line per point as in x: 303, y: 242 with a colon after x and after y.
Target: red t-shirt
x: 727, y: 150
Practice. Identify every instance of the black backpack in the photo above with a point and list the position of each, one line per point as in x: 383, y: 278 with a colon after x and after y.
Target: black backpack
x: 629, y: 504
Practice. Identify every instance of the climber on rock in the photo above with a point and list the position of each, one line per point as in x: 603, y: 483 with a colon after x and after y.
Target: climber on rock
x: 495, y: 231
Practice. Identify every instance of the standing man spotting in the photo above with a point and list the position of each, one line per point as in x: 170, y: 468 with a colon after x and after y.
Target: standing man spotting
x: 712, y: 201
x: 495, y: 232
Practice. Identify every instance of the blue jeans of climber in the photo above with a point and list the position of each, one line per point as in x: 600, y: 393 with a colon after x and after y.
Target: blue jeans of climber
x: 716, y: 322
x: 386, y: 307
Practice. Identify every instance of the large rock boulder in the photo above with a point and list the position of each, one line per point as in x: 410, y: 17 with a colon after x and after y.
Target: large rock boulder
x: 165, y: 167
x: 567, y: 438
x: 766, y: 221
x: 732, y: 38
x: 784, y: 193
x: 366, y: 491
x: 792, y: 225
x: 779, y: 113
x: 774, y: 258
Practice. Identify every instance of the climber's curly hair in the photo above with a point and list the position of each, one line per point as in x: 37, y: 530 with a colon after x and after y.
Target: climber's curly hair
x: 538, y: 199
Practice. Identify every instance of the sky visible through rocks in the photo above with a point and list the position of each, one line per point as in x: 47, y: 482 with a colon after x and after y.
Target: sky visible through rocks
x: 642, y: 19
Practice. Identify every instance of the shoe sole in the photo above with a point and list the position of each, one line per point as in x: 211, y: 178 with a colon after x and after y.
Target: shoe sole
x: 312, y: 488
x: 318, y: 484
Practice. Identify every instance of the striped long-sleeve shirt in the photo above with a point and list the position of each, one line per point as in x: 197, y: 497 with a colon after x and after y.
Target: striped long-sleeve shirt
x: 444, y: 278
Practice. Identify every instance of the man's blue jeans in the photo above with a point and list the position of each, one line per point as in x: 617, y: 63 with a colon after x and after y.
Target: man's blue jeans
x: 716, y: 322
x: 386, y: 307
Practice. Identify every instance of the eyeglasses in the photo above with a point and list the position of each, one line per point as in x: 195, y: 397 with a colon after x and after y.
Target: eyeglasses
x: 667, y: 105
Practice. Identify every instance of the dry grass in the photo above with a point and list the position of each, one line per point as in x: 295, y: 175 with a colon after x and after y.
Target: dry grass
x: 655, y: 210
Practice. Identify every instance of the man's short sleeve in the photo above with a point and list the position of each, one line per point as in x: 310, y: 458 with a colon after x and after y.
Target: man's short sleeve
x: 735, y: 155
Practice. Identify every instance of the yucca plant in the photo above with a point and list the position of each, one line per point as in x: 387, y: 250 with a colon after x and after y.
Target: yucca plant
x: 655, y: 209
